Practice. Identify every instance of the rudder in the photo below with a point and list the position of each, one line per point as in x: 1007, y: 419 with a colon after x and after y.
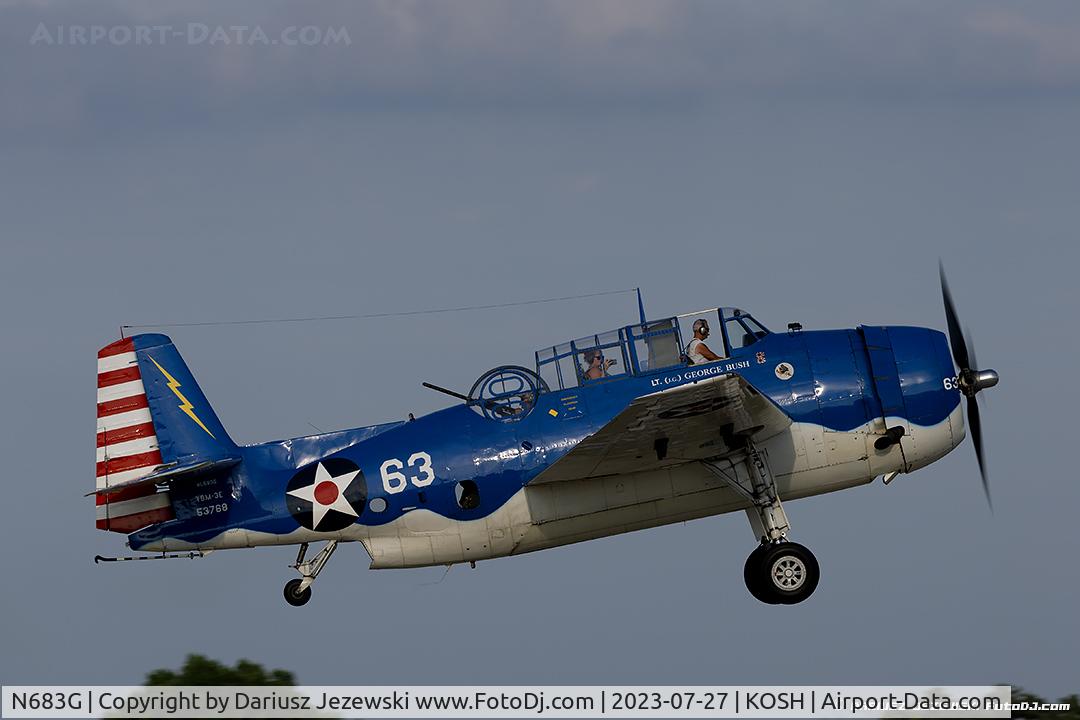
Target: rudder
x: 151, y: 413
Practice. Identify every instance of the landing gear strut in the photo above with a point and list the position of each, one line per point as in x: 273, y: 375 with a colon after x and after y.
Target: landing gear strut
x: 298, y: 591
x: 777, y: 572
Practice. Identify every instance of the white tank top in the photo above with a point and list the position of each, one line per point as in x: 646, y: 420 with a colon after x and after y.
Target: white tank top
x: 696, y: 357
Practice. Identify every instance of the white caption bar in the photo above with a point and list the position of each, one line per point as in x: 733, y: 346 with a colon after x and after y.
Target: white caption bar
x: 506, y: 701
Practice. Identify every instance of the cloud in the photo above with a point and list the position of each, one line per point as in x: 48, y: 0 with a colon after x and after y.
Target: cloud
x: 562, y: 55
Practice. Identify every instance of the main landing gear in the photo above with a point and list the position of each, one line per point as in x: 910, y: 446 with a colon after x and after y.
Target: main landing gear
x: 781, y: 573
x: 777, y: 572
x: 298, y: 591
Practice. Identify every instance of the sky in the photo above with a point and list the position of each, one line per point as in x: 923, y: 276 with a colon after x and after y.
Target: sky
x: 807, y: 161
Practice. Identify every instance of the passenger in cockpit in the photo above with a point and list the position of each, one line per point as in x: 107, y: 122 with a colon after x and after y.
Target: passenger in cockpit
x: 697, y: 352
x: 596, y: 366
x: 521, y: 407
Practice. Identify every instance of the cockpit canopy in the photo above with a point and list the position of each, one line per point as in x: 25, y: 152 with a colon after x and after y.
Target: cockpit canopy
x: 640, y: 349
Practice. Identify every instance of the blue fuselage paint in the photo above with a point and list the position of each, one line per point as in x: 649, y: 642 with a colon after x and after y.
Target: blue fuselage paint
x: 833, y: 382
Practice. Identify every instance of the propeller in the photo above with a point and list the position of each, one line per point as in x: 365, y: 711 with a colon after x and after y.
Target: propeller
x: 970, y: 380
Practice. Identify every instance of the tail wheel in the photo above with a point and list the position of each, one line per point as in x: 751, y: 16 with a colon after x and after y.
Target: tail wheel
x: 294, y: 595
x: 782, y: 574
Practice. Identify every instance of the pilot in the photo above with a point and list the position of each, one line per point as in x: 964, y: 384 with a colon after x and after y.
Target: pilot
x: 697, y: 352
x: 596, y: 365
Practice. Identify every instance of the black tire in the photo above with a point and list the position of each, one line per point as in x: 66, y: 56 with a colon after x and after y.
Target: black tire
x: 788, y: 573
x: 294, y: 596
x: 752, y: 574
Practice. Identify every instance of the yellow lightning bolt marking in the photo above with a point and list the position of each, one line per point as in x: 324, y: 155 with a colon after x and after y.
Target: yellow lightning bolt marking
x: 185, y: 404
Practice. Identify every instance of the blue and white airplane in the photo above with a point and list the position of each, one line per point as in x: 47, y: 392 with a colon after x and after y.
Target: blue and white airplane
x: 657, y: 422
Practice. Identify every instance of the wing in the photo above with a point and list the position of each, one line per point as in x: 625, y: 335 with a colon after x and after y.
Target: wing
x: 706, y: 419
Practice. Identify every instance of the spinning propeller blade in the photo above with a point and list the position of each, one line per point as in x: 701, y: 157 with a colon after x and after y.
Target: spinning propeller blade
x: 970, y: 379
x: 956, y: 336
x: 976, y: 438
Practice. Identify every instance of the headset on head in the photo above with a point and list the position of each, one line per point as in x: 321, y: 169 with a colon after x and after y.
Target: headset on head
x: 701, y: 325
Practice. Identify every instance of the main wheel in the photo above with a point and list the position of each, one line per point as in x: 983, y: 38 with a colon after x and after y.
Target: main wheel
x: 788, y: 573
x: 752, y: 574
x: 294, y: 596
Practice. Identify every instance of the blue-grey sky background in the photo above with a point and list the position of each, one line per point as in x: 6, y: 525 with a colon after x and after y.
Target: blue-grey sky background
x: 808, y: 161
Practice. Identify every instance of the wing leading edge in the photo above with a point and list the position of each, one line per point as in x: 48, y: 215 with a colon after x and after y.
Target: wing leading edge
x: 707, y: 419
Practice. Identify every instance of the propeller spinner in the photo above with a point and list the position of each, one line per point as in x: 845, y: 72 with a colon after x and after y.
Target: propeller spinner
x: 970, y: 380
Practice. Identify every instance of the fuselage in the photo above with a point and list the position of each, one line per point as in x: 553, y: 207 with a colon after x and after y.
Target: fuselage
x: 455, y: 485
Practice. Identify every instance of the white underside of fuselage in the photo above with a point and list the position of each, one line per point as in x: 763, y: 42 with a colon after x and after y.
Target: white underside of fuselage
x: 806, y: 460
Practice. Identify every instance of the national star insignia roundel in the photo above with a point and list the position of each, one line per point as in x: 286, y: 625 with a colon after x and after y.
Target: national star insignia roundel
x: 327, y: 495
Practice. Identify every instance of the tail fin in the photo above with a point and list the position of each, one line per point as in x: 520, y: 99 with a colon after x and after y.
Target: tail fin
x: 150, y: 412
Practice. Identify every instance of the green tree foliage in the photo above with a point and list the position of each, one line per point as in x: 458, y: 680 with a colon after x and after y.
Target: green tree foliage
x: 200, y: 670
x: 1019, y: 695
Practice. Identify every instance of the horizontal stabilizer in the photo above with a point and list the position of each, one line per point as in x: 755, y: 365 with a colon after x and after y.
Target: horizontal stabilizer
x: 171, y: 473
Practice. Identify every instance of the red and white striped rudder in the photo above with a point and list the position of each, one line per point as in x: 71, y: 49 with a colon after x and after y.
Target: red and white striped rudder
x: 127, y: 444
